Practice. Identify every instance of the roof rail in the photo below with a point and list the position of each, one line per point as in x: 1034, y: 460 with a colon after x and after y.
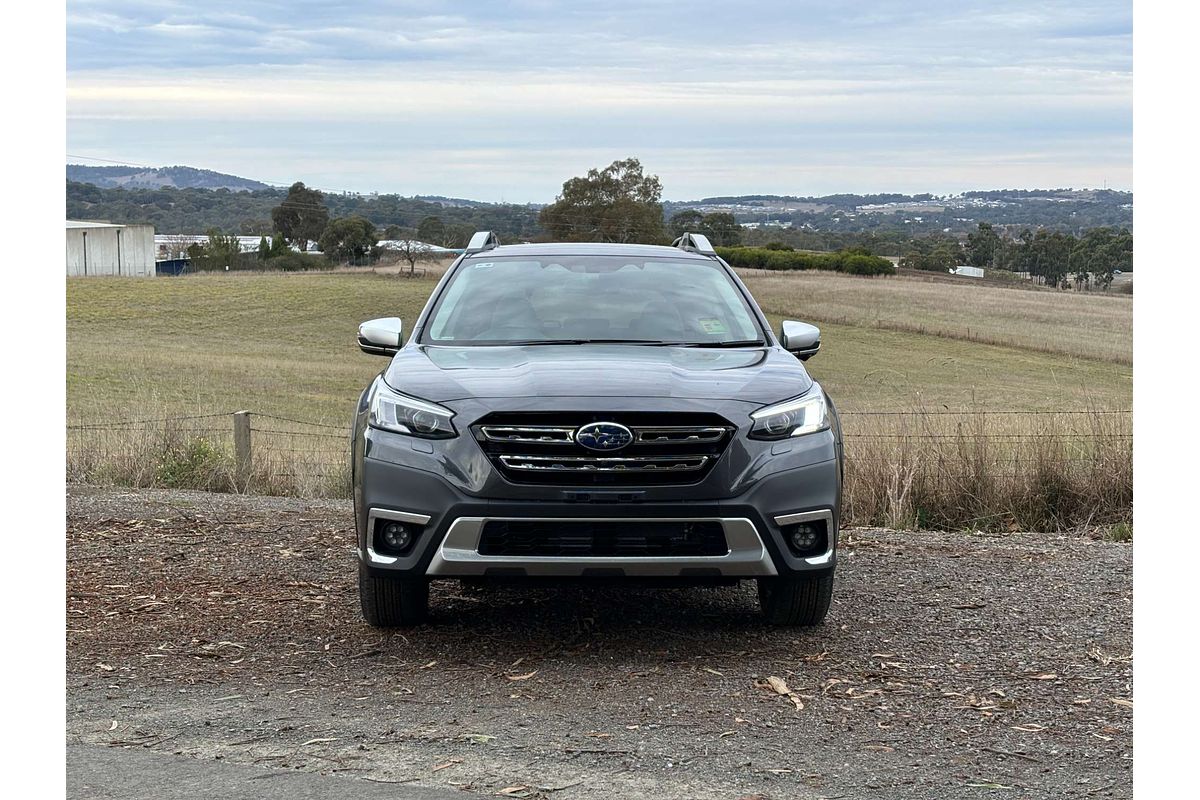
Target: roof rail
x: 695, y: 243
x: 482, y: 240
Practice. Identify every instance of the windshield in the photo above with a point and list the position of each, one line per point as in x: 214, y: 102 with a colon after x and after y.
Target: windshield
x: 579, y: 299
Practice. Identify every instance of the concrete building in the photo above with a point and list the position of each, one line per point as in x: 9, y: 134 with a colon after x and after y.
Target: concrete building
x: 101, y: 248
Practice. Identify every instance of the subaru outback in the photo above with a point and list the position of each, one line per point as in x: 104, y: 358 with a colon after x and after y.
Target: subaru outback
x: 592, y: 412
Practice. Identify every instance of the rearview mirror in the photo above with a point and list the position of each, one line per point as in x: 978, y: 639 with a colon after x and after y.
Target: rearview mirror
x: 800, y: 339
x: 381, y: 337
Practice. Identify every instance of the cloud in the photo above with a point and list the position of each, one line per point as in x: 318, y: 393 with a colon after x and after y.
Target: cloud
x: 930, y: 94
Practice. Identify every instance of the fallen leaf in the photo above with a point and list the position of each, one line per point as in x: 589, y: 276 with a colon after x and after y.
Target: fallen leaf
x: 105, y: 667
x: 779, y: 685
x: 1029, y: 728
x: 1121, y: 702
x: 113, y: 727
x: 714, y: 672
x: 319, y: 741
x: 988, y: 786
x: 524, y: 677
x: 1044, y: 676
x: 449, y: 763
x: 521, y: 790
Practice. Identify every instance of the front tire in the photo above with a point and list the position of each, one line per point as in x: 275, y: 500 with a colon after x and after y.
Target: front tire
x: 392, y: 602
x: 795, y: 600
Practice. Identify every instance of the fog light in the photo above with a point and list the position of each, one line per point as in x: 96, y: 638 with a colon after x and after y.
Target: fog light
x: 396, y: 537
x: 804, y: 537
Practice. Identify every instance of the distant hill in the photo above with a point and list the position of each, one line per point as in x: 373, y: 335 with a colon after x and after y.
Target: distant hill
x: 1072, y: 210
x: 188, y: 200
x: 158, y: 177
x: 248, y: 213
x: 451, y: 202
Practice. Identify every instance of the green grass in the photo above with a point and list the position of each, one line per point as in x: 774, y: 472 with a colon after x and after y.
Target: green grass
x: 285, y: 344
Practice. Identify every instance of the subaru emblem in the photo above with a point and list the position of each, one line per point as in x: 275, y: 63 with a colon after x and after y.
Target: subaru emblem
x: 603, y: 436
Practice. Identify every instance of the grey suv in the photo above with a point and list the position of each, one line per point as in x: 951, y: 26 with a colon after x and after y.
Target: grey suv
x: 591, y: 412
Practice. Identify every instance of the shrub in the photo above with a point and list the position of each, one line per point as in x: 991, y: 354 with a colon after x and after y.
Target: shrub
x: 195, y: 464
x: 854, y: 262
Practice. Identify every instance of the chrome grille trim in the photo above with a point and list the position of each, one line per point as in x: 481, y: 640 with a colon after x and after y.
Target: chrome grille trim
x: 658, y: 434
x: 666, y: 448
x: 530, y: 434
x: 605, y: 463
x: 674, y: 434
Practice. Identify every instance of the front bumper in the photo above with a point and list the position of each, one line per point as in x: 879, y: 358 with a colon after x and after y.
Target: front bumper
x: 450, y: 521
x: 459, y: 555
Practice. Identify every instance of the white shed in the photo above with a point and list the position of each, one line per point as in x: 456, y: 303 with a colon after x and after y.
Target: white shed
x: 101, y: 248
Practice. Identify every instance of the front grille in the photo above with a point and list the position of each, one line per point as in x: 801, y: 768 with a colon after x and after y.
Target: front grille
x: 540, y: 448
x: 613, y: 538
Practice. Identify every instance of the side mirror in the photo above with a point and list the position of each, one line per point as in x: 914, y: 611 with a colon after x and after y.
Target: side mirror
x: 381, y: 337
x: 800, y: 339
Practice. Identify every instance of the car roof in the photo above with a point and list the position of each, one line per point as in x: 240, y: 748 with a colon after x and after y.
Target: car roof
x: 588, y: 249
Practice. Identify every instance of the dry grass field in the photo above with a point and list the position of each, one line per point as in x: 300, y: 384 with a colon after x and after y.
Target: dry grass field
x: 282, y: 345
x: 1093, y: 325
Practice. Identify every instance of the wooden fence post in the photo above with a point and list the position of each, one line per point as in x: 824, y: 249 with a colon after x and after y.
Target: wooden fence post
x: 241, y: 448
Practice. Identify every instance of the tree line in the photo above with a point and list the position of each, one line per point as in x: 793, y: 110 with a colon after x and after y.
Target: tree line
x: 248, y: 213
x: 1055, y: 257
x: 617, y: 203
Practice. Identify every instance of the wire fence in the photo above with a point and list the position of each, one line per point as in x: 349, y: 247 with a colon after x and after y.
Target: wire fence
x: 228, y: 451
x: 941, y: 467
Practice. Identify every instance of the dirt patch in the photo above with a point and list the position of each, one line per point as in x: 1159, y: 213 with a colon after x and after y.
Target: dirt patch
x: 961, y: 665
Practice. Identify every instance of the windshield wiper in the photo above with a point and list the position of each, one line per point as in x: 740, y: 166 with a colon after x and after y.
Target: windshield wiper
x: 742, y: 343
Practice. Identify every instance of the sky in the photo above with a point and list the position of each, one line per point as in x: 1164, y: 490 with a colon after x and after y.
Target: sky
x: 506, y: 100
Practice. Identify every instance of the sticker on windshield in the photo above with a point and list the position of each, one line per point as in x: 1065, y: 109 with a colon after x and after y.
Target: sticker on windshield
x: 712, y: 325
x: 484, y: 265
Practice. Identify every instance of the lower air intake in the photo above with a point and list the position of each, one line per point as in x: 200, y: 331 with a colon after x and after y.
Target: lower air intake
x: 590, y: 538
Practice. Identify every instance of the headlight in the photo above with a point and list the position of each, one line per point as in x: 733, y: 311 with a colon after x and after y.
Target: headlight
x: 400, y: 413
x: 807, y: 414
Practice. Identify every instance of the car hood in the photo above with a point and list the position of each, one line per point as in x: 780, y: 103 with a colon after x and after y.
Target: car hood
x: 441, y: 374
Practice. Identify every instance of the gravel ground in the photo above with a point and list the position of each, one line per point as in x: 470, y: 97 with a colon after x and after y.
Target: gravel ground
x: 951, y: 665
